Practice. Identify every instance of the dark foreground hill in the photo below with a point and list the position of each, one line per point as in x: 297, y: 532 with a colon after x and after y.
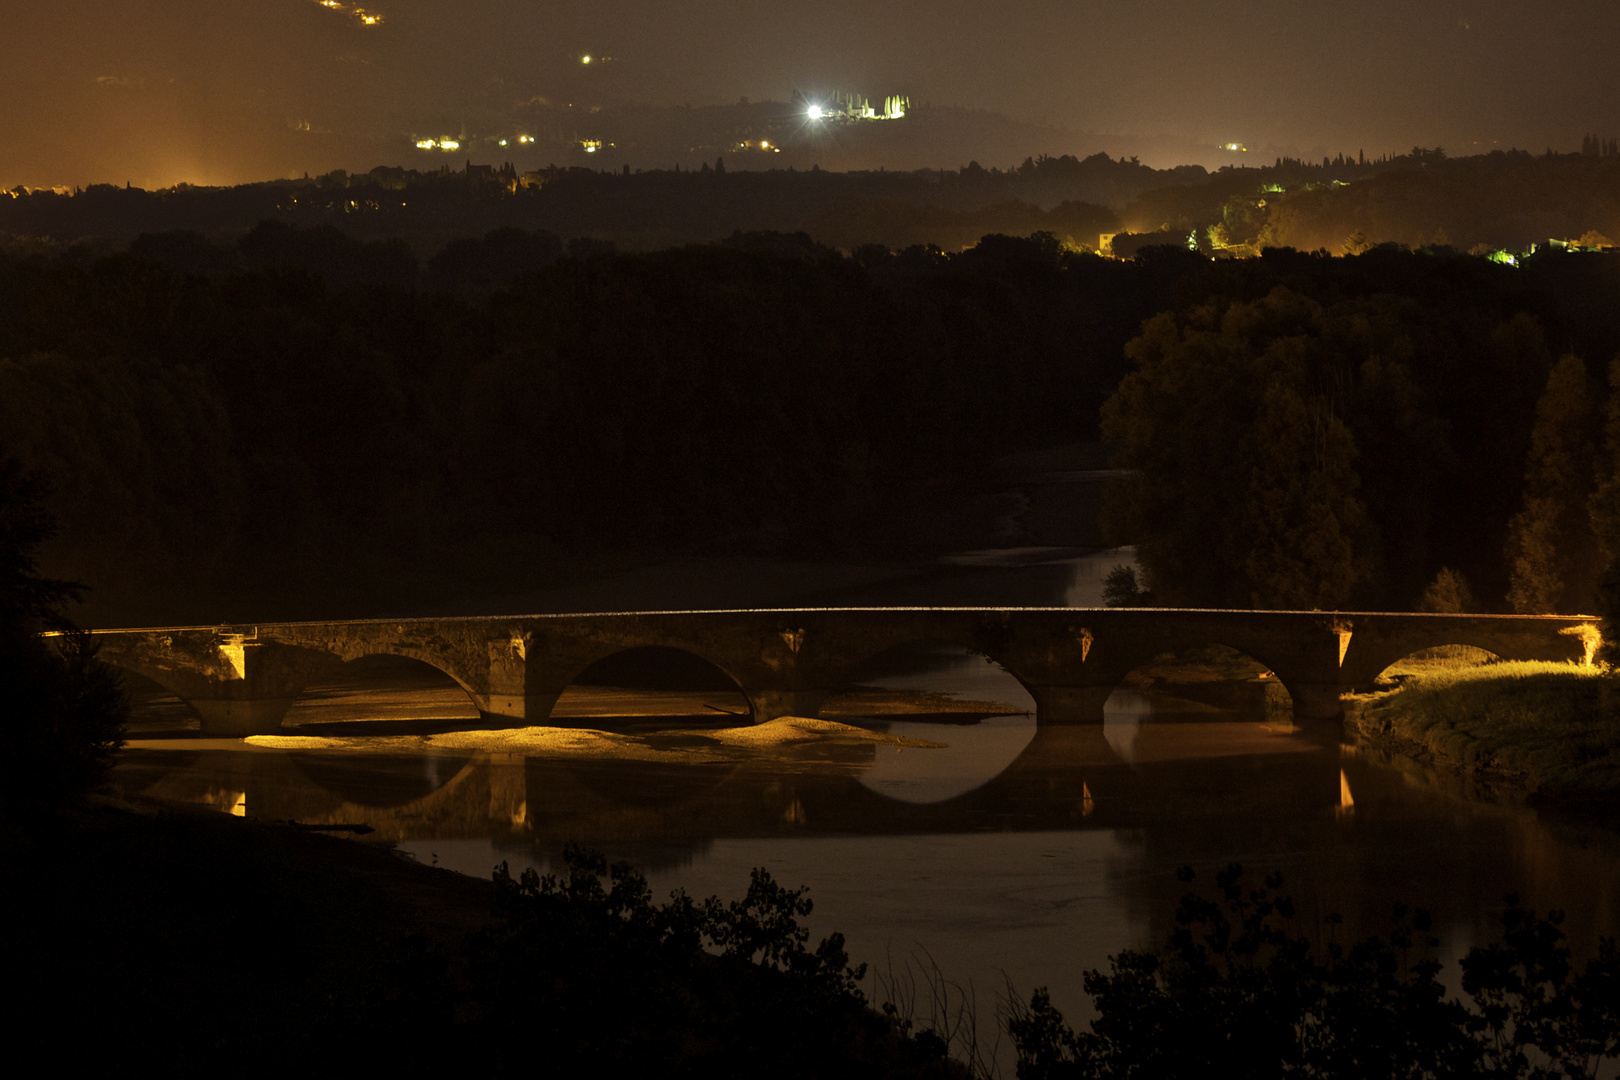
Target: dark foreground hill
x: 209, y: 943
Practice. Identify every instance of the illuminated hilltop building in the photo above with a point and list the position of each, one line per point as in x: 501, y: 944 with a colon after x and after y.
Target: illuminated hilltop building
x: 844, y: 108
x: 359, y: 14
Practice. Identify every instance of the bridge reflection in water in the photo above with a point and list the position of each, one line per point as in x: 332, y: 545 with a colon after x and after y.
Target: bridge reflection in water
x: 1201, y: 788
x: 1039, y: 870
x: 687, y: 789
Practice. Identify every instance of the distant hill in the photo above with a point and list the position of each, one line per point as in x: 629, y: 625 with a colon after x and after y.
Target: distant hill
x: 1502, y: 200
x: 1345, y: 203
x: 646, y: 210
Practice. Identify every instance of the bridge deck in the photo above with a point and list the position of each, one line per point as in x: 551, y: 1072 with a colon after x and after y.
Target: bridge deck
x: 242, y: 677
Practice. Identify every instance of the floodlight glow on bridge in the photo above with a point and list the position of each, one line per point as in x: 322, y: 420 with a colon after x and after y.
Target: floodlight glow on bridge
x: 242, y: 680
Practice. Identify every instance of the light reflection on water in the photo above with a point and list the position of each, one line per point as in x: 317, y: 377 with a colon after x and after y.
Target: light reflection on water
x: 1123, y: 716
x: 1013, y: 854
x: 971, y: 755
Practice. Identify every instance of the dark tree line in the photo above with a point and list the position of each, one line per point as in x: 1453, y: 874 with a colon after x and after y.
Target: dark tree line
x: 305, y: 432
x: 643, y: 210
x: 1341, y: 433
x: 266, y: 434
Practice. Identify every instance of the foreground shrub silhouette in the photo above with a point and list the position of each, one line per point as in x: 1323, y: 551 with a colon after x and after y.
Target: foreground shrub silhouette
x: 1235, y: 994
x: 600, y: 976
x: 258, y: 950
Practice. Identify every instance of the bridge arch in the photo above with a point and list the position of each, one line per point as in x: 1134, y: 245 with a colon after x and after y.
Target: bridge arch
x: 1369, y: 655
x: 657, y: 669
x: 923, y: 651
x: 1209, y: 675
x: 399, y: 686
x: 913, y: 644
x: 163, y: 680
x: 1434, y: 658
x: 928, y: 675
x: 1176, y: 640
x: 361, y: 651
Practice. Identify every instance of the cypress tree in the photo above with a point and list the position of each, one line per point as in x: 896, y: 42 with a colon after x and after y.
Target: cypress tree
x: 1551, y: 550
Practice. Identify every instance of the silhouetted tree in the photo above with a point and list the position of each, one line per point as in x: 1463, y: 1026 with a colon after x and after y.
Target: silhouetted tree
x: 1604, y: 513
x: 1551, y: 551
x: 1235, y: 992
x: 65, y: 711
x: 1244, y: 463
x: 1121, y: 589
x: 1309, y: 545
x: 1448, y: 594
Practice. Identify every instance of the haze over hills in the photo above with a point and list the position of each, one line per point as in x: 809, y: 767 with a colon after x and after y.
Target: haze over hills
x: 196, y: 92
x: 1501, y: 201
x: 538, y: 134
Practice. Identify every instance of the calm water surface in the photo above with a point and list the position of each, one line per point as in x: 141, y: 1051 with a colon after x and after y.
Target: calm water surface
x: 1003, y: 853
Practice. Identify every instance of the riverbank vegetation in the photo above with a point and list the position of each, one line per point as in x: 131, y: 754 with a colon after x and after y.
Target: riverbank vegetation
x: 1236, y: 991
x: 1551, y: 731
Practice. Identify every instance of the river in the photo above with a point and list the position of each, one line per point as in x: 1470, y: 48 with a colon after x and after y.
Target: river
x: 982, y: 848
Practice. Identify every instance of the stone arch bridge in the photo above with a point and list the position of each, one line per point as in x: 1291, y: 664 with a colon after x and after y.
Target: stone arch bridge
x: 242, y: 679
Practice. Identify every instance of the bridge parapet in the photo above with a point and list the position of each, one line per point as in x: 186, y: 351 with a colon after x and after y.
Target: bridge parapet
x: 243, y: 679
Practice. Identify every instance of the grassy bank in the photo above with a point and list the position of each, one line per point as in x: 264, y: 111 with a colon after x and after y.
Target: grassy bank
x: 1549, y: 730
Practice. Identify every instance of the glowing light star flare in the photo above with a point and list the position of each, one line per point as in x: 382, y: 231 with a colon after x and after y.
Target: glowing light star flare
x: 815, y: 112
x: 364, y: 17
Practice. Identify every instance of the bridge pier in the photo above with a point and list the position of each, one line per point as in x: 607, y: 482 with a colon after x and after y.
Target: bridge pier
x: 237, y: 718
x: 1070, y: 704
x: 515, y: 707
x: 1317, y: 702
x: 768, y: 704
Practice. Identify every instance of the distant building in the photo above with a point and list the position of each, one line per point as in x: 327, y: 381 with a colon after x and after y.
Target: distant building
x: 847, y: 107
